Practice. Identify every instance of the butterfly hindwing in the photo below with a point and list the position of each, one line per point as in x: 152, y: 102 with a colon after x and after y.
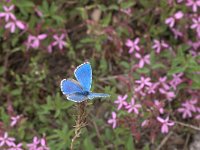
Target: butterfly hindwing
x: 83, y: 74
x: 77, y: 97
x: 97, y: 95
x: 70, y: 86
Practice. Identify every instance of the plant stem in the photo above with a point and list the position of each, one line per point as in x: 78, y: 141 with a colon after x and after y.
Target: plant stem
x: 80, y: 122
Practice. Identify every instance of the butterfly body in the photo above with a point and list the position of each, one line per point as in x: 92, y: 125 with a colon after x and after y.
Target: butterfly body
x: 79, y: 90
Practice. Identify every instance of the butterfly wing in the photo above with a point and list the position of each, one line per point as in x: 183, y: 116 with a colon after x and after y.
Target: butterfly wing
x: 97, y: 95
x: 77, y: 97
x: 83, y: 74
x: 70, y: 86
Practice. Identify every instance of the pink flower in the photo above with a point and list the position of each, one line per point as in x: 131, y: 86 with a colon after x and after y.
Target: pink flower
x: 5, y: 140
x: 59, y: 41
x: 113, y: 120
x: 195, y: 45
x: 121, y: 101
x: 38, y: 12
x: 151, y: 89
x: 187, y: 108
x: 133, y: 107
x: 196, y: 24
x: 165, y: 123
x: 177, y: 33
x: 8, y: 14
x: 176, y: 80
x: 49, y: 48
x: 12, y: 25
x: 145, y: 123
x: 143, y: 81
x: 171, y: 20
x: 143, y: 60
x: 43, y: 145
x: 16, y: 147
x: 34, y: 144
x: 158, y: 45
x: 34, y: 41
x: 133, y: 45
x: 15, y: 120
x: 159, y: 106
x: 194, y: 4
x: 198, y: 115
x: 162, y: 81
x: 179, y: 1
x: 169, y: 94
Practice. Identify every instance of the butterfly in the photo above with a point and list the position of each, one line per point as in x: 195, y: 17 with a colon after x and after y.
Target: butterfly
x: 79, y: 91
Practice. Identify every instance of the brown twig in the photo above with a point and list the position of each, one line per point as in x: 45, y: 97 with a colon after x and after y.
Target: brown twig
x: 164, y: 141
x: 80, y: 122
x: 187, y: 125
x: 186, y: 142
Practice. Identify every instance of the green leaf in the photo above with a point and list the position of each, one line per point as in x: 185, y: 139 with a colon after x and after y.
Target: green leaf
x: 129, y: 145
x: 2, y: 70
x: 146, y: 147
x: 128, y: 4
x: 106, y: 21
x: 87, y: 143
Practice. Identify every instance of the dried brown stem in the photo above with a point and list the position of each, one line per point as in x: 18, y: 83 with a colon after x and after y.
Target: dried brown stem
x: 80, y: 122
x: 187, y: 125
x: 164, y: 141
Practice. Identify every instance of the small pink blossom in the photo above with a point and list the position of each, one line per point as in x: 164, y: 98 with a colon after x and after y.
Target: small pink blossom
x: 176, y: 80
x: 133, y: 107
x: 16, y: 147
x: 34, y: 144
x: 143, y: 59
x: 165, y: 123
x: 12, y: 25
x: 159, y: 45
x: 43, y: 145
x: 113, y: 120
x: 59, y: 41
x: 163, y: 81
x: 176, y: 33
x: 194, y: 45
x: 121, y: 101
x: 133, y: 45
x: 143, y: 82
x: 126, y: 11
x: 187, y: 108
x: 171, y: 20
x: 15, y: 120
x: 198, y: 113
x: 145, y: 123
x: 179, y: 1
x: 5, y: 140
x: 194, y: 4
x: 169, y: 94
x: 8, y: 14
x: 159, y: 106
x: 34, y: 41
x: 50, y: 48
x: 38, y: 12
x: 152, y: 89
x: 196, y: 25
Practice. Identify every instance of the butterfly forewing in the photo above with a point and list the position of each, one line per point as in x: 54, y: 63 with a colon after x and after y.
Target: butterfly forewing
x: 83, y: 74
x: 97, y: 95
x: 70, y: 86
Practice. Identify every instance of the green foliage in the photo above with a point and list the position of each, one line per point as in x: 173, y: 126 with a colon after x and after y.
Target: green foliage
x: 96, y: 32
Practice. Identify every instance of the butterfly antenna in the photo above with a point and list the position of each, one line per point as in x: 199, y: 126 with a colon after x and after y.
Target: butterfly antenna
x: 80, y: 121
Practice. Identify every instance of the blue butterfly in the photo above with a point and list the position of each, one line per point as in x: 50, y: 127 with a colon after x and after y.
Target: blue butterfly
x: 79, y: 91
